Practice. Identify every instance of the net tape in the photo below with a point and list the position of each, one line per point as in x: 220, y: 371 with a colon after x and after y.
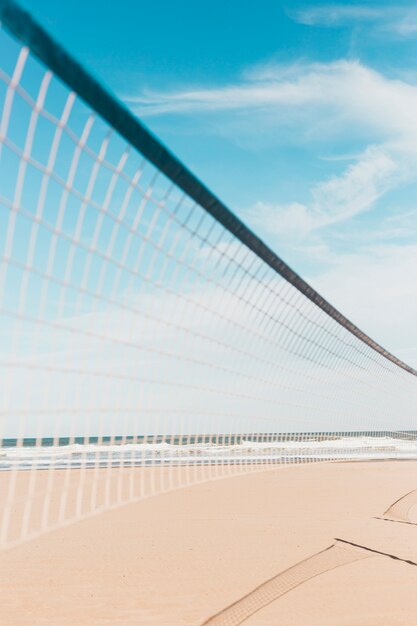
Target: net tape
x: 149, y: 340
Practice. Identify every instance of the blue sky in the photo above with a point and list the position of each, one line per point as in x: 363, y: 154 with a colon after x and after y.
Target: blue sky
x: 302, y: 117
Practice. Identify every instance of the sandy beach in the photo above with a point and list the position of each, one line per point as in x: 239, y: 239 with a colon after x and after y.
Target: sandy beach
x: 180, y: 558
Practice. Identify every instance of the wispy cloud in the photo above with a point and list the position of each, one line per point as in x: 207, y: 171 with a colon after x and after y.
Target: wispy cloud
x: 361, y: 184
x: 263, y: 86
x: 349, y: 89
x: 334, y: 200
x: 266, y: 85
x: 398, y: 20
x: 336, y: 14
x: 328, y: 100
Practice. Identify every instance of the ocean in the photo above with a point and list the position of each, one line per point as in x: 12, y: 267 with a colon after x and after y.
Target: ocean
x: 128, y: 451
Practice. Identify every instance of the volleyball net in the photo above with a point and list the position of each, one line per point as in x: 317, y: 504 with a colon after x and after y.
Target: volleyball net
x: 149, y: 339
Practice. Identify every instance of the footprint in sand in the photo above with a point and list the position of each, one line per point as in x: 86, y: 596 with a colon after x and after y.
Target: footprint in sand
x: 400, y: 510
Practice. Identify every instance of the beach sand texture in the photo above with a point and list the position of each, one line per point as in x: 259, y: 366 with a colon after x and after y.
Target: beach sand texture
x: 182, y: 557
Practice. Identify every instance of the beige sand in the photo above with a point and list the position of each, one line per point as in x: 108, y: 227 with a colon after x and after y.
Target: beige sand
x: 178, y: 558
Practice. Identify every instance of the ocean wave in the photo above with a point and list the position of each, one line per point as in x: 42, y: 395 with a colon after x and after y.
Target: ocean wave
x: 147, y: 453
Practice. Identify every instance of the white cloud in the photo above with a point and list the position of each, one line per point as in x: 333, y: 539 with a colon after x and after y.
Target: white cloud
x: 397, y: 20
x: 251, y: 95
x: 333, y: 15
x: 348, y: 90
x: 293, y: 218
x: 329, y: 102
x: 337, y: 199
x: 342, y: 197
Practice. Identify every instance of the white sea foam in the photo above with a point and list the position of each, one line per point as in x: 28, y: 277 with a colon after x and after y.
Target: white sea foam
x: 76, y: 455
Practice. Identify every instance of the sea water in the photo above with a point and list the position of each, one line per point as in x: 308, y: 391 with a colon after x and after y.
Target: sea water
x: 75, y: 452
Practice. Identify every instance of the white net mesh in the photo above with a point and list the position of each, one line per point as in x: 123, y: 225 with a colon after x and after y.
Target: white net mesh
x: 144, y: 347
